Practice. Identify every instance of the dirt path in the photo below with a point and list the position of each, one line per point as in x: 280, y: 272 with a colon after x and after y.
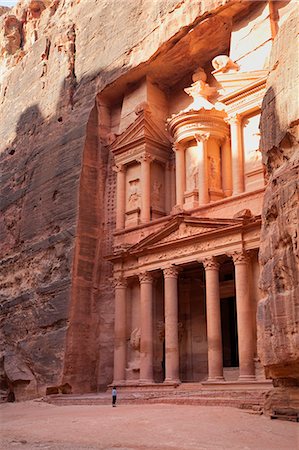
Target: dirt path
x: 37, y: 425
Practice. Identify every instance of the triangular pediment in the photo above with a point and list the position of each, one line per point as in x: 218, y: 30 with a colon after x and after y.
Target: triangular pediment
x: 143, y: 130
x: 232, y: 81
x: 183, y: 227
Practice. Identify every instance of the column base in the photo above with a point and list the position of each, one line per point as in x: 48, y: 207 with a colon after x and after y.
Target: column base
x: 144, y: 382
x: 215, y: 379
x: 172, y: 381
x: 118, y: 383
x: 245, y: 378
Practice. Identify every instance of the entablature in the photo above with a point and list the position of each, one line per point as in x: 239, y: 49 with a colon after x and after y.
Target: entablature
x: 185, y: 239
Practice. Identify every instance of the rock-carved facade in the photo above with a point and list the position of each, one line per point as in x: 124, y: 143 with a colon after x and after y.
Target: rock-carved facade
x: 133, y: 190
x: 188, y: 206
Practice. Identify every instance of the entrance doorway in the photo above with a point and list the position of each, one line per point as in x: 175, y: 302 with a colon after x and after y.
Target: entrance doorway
x: 229, y: 332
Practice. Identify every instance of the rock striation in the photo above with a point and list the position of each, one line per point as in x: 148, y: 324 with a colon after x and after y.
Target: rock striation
x: 56, y: 56
x: 278, y: 311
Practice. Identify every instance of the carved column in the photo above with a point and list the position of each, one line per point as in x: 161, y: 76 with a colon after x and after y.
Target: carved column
x: 226, y: 167
x: 120, y: 196
x: 146, y: 340
x: 215, y: 359
x: 145, y: 161
x: 168, y: 186
x: 180, y: 173
x: 203, y: 179
x: 237, y: 153
x: 120, y: 330
x: 244, y: 317
x: 171, y: 325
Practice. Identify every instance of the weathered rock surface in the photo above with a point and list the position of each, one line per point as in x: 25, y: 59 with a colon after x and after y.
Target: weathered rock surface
x: 278, y: 311
x: 57, y: 212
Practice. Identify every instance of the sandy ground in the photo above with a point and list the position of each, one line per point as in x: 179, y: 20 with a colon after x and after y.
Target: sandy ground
x: 37, y: 425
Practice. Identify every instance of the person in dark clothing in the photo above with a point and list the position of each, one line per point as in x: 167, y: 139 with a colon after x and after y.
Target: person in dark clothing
x: 114, y: 394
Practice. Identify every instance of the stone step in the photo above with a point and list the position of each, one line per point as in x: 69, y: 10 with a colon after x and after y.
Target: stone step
x: 244, y: 399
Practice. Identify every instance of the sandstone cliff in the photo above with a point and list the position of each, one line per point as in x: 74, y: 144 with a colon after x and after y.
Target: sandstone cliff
x: 278, y: 312
x: 57, y: 195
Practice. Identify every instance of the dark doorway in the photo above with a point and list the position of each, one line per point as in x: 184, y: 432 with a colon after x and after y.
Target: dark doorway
x: 229, y: 332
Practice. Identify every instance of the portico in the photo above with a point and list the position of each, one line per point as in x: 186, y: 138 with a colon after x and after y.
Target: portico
x: 181, y: 282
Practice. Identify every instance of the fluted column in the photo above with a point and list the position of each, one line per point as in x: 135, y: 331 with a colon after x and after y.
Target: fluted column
x: 215, y: 358
x: 146, y: 340
x: 180, y: 173
x: 120, y: 195
x: 171, y: 325
x: 237, y: 153
x: 120, y: 330
x: 244, y: 317
x: 226, y: 167
x: 145, y: 161
x: 203, y: 178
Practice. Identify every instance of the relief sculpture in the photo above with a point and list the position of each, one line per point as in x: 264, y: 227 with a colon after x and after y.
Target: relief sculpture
x: 134, y: 193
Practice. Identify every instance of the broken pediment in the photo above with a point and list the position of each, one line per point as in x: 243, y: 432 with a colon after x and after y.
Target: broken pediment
x: 142, y: 131
x: 183, y: 227
x: 232, y: 81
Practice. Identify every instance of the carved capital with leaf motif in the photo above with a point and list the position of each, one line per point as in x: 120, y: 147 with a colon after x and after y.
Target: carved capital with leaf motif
x: 241, y: 257
x: 171, y: 272
x: 145, y: 158
x: 145, y: 277
x: 233, y: 119
x: 210, y: 263
x: 201, y: 137
x: 118, y: 168
x: 119, y: 282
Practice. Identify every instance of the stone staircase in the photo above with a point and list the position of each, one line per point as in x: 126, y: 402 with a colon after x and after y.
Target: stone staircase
x: 249, y: 396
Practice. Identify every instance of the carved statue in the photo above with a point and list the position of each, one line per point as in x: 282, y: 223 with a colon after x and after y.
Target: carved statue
x: 201, y: 92
x: 200, y: 88
x: 224, y: 63
x: 134, y: 363
x: 193, y: 174
x: 134, y: 194
x: 135, y: 339
x: 156, y: 188
x: 213, y: 172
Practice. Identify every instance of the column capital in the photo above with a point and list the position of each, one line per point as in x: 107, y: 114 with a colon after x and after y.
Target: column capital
x: 210, y: 263
x: 119, y: 282
x: 201, y: 137
x: 233, y: 119
x: 118, y: 168
x: 145, y: 157
x: 171, y: 272
x: 145, y: 277
x: 240, y: 257
x: 176, y: 147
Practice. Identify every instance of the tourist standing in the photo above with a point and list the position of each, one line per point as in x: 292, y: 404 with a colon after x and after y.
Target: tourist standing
x: 114, y: 394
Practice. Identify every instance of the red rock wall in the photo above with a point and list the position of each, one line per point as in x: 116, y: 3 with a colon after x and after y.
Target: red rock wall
x: 56, y: 192
x: 278, y: 311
